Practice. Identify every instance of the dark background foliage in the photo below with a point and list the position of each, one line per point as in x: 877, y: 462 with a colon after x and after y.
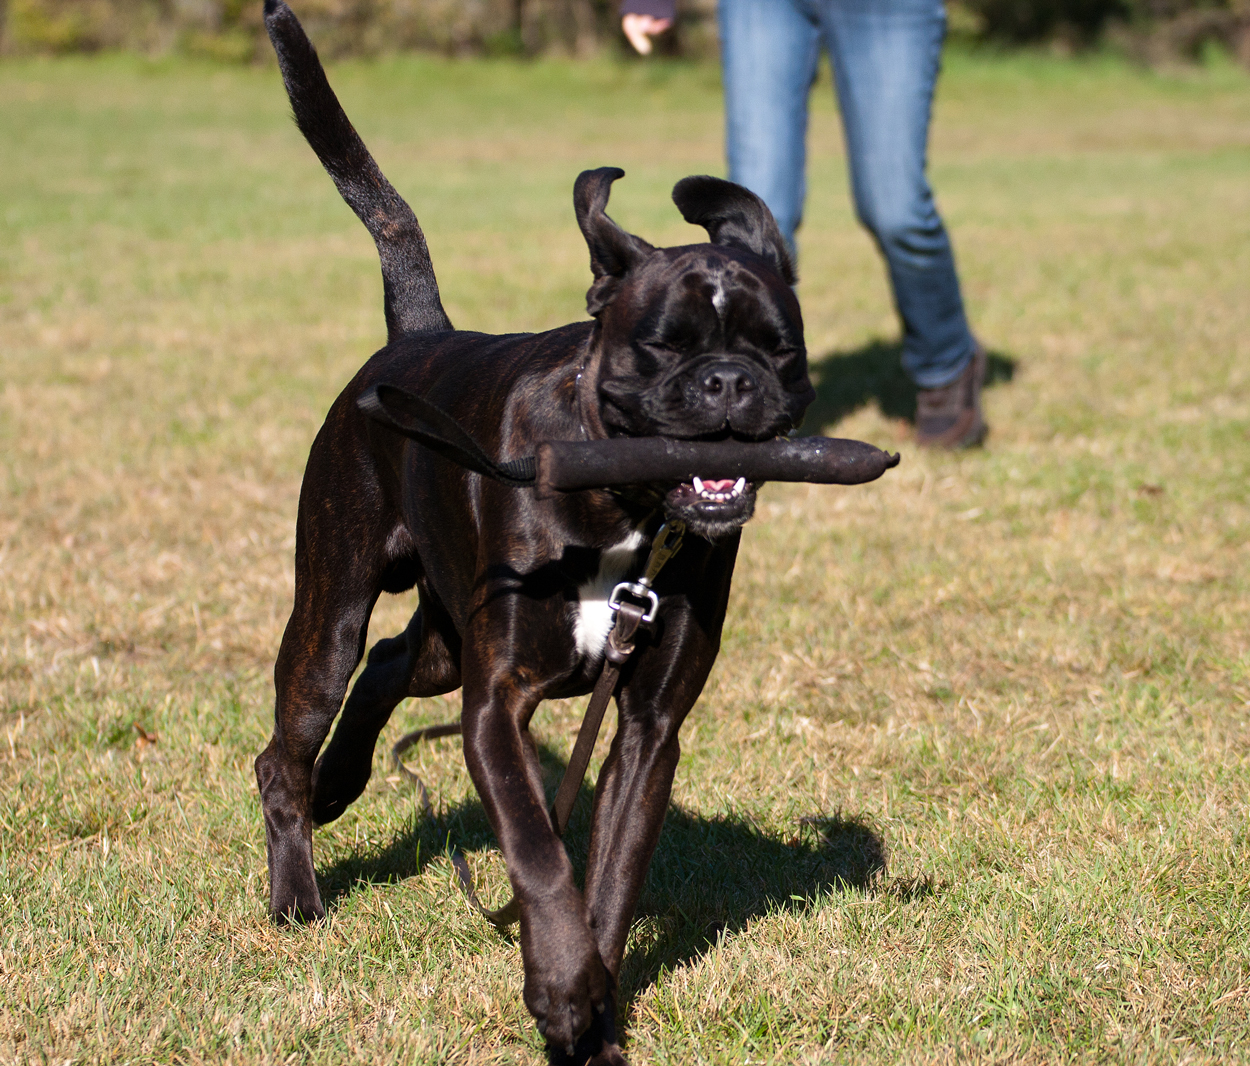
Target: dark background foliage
x: 1154, y: 30
x: 233, y: 28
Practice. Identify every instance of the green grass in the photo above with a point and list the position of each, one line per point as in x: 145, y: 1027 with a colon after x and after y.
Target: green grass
x: 970, y: 780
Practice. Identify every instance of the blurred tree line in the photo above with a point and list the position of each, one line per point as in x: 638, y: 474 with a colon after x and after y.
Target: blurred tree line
x: 1154, y: 30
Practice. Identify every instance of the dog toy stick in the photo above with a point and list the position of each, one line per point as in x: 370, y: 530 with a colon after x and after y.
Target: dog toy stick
x: 570, y: 466
x: 567, y: 466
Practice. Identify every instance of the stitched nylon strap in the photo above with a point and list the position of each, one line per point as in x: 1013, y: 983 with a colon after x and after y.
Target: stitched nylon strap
x: 419, y: 419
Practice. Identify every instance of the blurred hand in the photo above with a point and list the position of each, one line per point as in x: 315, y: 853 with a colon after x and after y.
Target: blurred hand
x: 641, y: 28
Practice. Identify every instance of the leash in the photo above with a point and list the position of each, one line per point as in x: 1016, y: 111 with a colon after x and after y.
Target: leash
x: 635, y: 606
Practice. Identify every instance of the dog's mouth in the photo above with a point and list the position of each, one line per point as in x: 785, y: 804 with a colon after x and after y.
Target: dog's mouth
x: 710, y: 493
x: 712, y: 507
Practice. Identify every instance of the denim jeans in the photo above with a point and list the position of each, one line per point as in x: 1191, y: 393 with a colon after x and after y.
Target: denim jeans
x: 885, y: 56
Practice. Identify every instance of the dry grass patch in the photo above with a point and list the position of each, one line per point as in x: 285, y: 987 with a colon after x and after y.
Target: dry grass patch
x: 970, y: 778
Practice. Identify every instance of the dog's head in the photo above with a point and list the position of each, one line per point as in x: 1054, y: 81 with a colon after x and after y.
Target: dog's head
x: 701, y: 342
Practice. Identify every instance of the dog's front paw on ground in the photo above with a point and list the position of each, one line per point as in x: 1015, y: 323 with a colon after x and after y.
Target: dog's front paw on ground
x: 565, y: 1008
x: 293, y: 895
x: 609, y: 1055
x: 605, y: 1055
x: 567, y: 987
x: 597, y: 1046
x: 593, y: 1048
x: 295, y: 902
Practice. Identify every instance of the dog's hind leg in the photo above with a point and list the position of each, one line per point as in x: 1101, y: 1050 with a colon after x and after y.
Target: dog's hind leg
x: 323, y: 643
x: 340, y: 565
x: 424, y: 660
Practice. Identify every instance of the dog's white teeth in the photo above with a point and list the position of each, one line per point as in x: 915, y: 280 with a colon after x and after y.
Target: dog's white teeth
x: 721, y: 493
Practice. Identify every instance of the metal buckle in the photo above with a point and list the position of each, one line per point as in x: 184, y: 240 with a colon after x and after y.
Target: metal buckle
x: 638, y: 592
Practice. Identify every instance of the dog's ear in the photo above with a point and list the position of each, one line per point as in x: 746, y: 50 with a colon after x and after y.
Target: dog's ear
x: 736, y: 217
x: 613, y: 252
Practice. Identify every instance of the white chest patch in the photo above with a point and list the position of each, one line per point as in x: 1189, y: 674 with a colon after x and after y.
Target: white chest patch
x: 593, y: 620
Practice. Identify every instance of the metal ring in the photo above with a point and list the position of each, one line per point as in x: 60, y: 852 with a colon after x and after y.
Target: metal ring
x: 638, y: 592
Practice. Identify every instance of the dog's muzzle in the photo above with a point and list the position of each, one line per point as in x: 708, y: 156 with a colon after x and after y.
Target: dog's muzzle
x: 712, y: 508
x: 725, y: 394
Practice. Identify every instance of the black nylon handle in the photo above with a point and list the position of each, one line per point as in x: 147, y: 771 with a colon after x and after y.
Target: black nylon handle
x: 420, y: 420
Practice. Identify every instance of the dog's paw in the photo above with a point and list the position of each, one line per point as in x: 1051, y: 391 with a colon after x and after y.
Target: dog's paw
x: 293, y: 895
x: 297, y: 913
x: 588, y: 1052
x: 597, y: 1046
x: 565, y: 1007
x: 295, y: 903
x: 609, y: 1055
x: 567, y: 986
x: 339, y: 778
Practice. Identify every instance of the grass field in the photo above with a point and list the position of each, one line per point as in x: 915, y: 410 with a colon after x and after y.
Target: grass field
x: 970, y: 780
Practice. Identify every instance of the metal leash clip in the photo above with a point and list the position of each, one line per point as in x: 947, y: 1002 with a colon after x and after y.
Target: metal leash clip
x: 663, y: 548
x: 666, y: 544
x: 640, y: 592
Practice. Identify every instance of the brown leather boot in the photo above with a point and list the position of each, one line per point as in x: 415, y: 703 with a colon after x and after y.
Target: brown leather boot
x: 950, y: 417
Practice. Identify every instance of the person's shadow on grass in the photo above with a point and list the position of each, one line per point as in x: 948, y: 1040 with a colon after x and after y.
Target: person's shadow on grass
x: 710, y: 876
x: 847, y: 380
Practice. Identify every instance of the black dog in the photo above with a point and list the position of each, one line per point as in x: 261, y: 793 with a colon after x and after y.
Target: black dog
x: 702, y: 342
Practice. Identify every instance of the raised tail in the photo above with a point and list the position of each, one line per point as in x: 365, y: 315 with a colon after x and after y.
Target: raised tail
x: 410, y: 290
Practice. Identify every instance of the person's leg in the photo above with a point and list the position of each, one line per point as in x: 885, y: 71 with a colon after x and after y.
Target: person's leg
x: 886, y: 55
x: 769, y: 50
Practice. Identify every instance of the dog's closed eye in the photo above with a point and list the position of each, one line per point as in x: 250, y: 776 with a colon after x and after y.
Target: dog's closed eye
x: 674, y: 349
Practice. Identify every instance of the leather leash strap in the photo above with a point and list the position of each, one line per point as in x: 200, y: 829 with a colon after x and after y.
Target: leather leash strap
x: 616, y: 653
x: 630, y: 617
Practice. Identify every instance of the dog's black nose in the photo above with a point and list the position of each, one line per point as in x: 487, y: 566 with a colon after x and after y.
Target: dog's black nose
x: 727, y: 381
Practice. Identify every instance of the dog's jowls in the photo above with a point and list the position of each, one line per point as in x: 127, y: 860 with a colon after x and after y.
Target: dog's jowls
x: 701, y: 342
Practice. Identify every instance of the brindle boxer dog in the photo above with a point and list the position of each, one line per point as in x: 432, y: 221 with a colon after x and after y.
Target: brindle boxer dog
x: 700, y: 342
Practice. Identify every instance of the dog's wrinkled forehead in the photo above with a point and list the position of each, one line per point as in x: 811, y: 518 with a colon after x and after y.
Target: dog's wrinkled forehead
x: 702, y: 299
x: 720, y: 293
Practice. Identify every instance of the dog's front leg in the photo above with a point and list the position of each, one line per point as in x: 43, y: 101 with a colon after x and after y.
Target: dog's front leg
x: 566, y: 983
x: 630, y: 803
x: 632, y: 794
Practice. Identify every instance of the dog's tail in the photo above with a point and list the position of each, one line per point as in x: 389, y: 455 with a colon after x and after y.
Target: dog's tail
x: 410, y: 290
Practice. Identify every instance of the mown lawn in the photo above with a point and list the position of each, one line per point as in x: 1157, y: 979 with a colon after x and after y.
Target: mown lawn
x: 970, y: 780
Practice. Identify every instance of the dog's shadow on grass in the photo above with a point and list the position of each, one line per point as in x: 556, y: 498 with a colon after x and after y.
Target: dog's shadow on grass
x: 710, y: 876
x: 847, y: 381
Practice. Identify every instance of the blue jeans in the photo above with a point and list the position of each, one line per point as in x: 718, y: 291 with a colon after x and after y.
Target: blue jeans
x: 885, y: 56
